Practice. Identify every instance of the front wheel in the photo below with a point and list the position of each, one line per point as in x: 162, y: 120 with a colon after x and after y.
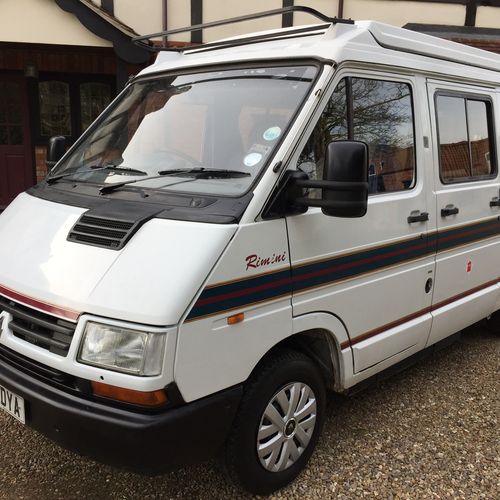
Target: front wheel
x: 278, y: 423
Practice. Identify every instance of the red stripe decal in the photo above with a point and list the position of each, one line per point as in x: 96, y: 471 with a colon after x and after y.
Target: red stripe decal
x: 359, y: 262
x: 464, y: 294
x: 242, y: 292
x: 470, y: 232
x: 37, y: 304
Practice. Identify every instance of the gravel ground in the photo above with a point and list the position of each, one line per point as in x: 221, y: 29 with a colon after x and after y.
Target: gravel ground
x: 429, y: 432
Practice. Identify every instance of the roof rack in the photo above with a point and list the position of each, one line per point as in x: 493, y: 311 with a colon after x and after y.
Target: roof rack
x: 142, y: 40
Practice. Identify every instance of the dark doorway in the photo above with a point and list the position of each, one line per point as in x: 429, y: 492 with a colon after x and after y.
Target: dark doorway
x: 16, y: 170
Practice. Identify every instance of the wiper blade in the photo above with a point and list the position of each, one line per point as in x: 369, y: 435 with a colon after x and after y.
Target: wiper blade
x: 95, y: 168
x: 55, y: 178
x: 117, y: 168
x: 197, y: 173
x: 206, y: 173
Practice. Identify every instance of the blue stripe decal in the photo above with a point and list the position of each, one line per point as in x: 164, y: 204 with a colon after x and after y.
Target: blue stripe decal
x: 244, y: 292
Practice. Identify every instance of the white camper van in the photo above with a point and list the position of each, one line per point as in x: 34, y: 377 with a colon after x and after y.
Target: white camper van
x: 250, y: 223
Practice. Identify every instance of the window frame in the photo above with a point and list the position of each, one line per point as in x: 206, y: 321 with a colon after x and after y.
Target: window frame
x: 490, y: 116
x: 377, y: 74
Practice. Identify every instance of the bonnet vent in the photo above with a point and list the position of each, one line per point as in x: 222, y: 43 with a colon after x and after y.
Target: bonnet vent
x: 110, y: 225
x: 99, y: 232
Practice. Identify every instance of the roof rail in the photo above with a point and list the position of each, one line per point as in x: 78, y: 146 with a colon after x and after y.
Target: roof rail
x: 142, y: 40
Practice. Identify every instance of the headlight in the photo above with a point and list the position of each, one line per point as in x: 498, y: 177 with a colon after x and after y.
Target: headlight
x: 122, y: 350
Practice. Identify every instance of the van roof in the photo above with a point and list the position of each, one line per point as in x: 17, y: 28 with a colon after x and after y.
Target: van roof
x: 363, y: 41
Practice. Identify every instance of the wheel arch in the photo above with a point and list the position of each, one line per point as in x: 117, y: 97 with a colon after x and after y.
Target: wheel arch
x: 319, y: 336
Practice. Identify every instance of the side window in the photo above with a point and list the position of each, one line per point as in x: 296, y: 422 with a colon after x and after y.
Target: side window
x: 377, y: 112
x: 465, y: 134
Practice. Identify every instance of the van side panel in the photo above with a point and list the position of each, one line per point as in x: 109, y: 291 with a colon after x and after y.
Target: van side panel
x: 371, y: 272
x: 252, y: 277
x: 467, y: 242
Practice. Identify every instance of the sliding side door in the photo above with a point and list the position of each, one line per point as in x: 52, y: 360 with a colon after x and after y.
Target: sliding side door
x: 468, y: 212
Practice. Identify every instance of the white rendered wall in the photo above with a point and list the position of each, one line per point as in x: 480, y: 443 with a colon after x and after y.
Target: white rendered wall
x: 143, y: 16
x: 42, y: 21
x: 179, y: 16
x: 214, y: 10
x: 398, y: 13
x: 488, y: 17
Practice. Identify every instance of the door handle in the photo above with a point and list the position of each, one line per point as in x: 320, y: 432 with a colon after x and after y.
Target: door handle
x: 418, y: 217
x: 495, y: 202
x: 449, y: 210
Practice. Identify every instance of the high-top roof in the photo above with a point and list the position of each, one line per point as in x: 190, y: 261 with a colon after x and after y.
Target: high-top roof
x: 364, y: 41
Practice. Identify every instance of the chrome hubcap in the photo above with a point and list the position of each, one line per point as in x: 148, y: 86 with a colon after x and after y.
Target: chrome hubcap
x: 286, y: 427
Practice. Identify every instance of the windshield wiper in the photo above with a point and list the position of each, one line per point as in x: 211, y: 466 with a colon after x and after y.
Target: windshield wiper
x: 55, y: 178
x: 198, y: 173
x: 117, y: 168
x: 96, y: 168
x: 206, y: 173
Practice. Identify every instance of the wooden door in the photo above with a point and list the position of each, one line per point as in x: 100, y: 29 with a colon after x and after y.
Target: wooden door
x: 16, y: 172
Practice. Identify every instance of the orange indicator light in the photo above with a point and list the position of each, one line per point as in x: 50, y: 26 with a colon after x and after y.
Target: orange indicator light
x: 235, y: 318
x: 155, y: 398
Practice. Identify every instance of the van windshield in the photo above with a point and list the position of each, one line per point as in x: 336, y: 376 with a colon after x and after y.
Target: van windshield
x: 206, y: 133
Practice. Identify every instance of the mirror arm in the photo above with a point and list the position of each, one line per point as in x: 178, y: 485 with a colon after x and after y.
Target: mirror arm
x: 334, y: 185
x: 316, y: 202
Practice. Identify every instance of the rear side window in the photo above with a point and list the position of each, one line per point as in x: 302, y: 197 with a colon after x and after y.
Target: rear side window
x: 465, y: 131
x: 377, y: 112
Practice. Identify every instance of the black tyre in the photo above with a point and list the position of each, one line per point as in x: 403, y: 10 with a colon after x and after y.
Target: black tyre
x: 278, y: 423
x: 494, y: 323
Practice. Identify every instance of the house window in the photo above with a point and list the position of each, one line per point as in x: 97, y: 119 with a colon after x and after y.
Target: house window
x: 465, y: 129
x: 68, y: 105
x: 94, y: 97
x: 55, y: 109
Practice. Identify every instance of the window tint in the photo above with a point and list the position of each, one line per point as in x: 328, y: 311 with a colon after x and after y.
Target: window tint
x: 377, y: 112
x: 464, y: 138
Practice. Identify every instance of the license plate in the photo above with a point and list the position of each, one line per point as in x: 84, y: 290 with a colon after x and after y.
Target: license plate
x: 12, y: 404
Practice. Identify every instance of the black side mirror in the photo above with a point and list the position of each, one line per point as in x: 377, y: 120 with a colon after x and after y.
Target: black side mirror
x: 344, y: 186
x: 56, y: 150
x: 346, y: 175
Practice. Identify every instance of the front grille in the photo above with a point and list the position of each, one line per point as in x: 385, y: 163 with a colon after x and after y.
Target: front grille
x: 40, y: 329
x: 64, y: 381
x: 102, y: 232
x: 41, y: 372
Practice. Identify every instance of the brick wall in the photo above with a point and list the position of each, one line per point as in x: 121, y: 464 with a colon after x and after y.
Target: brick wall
x: 40, y: 158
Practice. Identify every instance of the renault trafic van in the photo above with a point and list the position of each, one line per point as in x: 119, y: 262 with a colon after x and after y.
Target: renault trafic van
x: 249, y: 224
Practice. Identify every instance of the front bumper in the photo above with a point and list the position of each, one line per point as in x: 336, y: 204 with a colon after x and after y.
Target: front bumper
x: 148, y: 443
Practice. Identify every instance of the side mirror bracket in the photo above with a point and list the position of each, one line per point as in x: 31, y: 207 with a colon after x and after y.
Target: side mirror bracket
x: 284, y: 201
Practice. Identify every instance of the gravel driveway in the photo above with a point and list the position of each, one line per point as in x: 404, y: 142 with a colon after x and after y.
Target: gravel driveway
x: 429, y: 432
